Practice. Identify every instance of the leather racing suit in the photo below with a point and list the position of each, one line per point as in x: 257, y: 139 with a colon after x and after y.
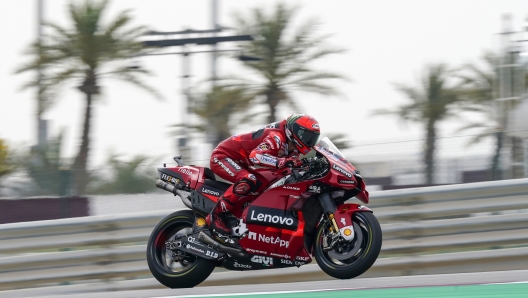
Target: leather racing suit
x: 232, y: 157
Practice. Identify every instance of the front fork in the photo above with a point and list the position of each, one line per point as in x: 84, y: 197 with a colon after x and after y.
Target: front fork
x: 340, y: 217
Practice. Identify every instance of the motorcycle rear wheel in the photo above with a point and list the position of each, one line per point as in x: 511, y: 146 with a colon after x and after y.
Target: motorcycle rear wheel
x: 363, y: 258
x: 189, y: 270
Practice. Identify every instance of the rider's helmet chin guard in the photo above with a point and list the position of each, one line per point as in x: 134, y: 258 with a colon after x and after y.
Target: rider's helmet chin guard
x: 303, y: 131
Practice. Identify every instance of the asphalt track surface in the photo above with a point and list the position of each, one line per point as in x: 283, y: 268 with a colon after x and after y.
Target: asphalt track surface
x: 481, y: 284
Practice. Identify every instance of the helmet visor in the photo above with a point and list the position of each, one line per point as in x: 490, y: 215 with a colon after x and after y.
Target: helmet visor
x: 308, y: 138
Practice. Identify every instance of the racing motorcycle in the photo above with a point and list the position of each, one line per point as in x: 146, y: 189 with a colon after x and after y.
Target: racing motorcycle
x: 301, y: 214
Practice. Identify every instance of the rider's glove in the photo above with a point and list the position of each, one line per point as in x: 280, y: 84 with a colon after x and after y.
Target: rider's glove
x: 293, y: 162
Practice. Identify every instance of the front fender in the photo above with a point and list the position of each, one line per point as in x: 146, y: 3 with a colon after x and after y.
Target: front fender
x: 343, y: 218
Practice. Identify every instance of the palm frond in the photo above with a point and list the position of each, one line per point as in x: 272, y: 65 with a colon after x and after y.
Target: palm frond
x: 475, y: 125
x: 131, y: 78
x: 285, y: 60
x: 315, y: 76
x: 318, y: 88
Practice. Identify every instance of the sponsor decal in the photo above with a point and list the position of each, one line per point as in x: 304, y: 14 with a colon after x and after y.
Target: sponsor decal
x: 211, y: 254
x: 209, y: 191
x: 347, y: 182
x: 233, y: 163
x: 287, y: 262
x: 263, y: 146
x: 271, y: 217
x: 279, y: 182
x: 304, y: 259
x: 252, y: 177
x: 253, y: 160
x: 361, y: 207
x: 186, y: 171
x: 341, y: 170
x: 241, y: 188
x: 330, y: 153
x: 190, y: 247
x: 291, y: 187
x: 266, y: 261
x: 224, y: 167
x: 170, y: 178
x: 277, y: 141
x: 314, y: 189
x: 280, y: 256
x: 200, y: 221
x: 192, y: 240
x: 251, y: 250
x: 315, y: 125
x: 271, y: 239
x: 346, y: 208
x: 274, y: 125
x: 223, y: 205
x: 343, y: 221
x: 347, y: 232
x: 270, y: 143
x: 244, y: 266
x: 266, y: 159
x: 297, y: 263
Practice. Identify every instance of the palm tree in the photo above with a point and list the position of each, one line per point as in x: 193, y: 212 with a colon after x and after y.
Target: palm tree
x: 429, y: 104
x: 127, y: 177
x: 6, y: 166
x: 480, y: 91
x: 217, y: 107
x: 48, y: 169
x: 80, y: 53
x: 284, y: 64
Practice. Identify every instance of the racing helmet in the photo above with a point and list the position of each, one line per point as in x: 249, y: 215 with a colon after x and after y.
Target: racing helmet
x: 303, y: 131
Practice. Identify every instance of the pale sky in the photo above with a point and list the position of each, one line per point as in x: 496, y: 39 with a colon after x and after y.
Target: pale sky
x: 388, y: 41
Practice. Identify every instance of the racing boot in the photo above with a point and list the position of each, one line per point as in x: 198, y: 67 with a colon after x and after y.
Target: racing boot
x: 215, y: 219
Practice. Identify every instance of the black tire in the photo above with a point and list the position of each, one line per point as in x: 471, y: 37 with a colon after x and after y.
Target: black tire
x: 363, y: 259
x: 193, y: 270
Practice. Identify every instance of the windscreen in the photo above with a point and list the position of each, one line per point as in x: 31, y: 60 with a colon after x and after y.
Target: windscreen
x: 326, y: 146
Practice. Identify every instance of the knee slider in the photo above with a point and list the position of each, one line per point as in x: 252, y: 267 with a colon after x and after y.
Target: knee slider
x: 243, y: 186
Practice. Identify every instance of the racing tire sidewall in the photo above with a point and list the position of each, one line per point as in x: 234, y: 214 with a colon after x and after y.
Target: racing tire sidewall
x: 187, y: 278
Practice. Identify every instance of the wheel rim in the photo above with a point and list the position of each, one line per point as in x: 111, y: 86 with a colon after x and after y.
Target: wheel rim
x: 358, y: 247
x: 178, y: 261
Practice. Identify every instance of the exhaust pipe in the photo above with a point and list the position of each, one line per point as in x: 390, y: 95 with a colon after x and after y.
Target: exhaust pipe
x: 170, y: 188
x: 230, y: 250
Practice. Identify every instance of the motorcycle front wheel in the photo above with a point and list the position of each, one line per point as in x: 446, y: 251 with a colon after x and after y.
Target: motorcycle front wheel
x: 175, y: 269
x: 347, y: 259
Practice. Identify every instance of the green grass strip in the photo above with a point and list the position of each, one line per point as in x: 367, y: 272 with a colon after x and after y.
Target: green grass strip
x: 512, y: 290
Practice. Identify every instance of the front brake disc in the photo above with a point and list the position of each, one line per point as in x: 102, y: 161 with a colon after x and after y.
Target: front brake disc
x: 349, y: 254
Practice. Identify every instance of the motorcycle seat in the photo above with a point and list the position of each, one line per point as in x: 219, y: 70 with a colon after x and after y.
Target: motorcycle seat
x: 223, y: 186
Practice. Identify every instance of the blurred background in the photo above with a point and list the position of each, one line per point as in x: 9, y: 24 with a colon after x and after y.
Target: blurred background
x: 95, y: 95
x: 414, y: 93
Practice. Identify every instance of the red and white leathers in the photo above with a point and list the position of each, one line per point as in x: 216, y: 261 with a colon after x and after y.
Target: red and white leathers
x: 267, y: 147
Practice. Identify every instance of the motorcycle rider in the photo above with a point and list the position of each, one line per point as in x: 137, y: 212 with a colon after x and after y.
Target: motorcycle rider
x: 277, y: 145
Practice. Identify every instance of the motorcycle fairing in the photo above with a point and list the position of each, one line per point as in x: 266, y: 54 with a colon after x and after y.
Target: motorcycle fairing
x: 188, y: 175
x: 210, y: 192
x: 200, y: 203
x: 259, y: 262
x: 343, y: 173
x: 343, y: 218
x: 275, y: 227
